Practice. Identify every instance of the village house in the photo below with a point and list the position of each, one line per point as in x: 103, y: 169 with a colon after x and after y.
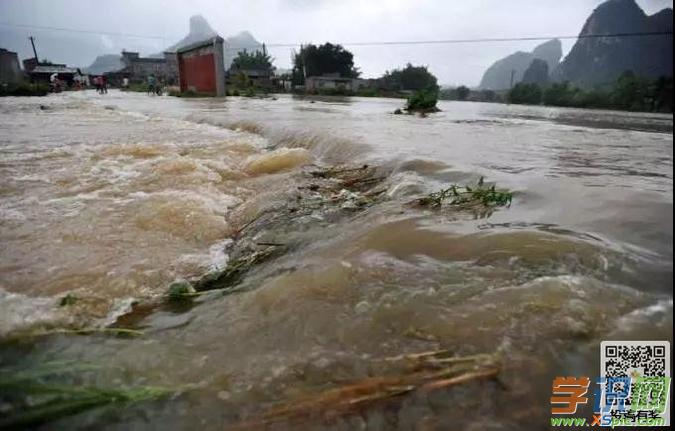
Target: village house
x: 138, y: 68
x: 333, y: 81
x: 258, y: 78
x: 43, y: 73
x: 10, y: 71
x: 201, y: 67
x: 31, y: 63
x: 283, y: 81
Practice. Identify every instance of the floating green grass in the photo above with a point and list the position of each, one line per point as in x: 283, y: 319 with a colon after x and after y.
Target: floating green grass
x: 468, y: 196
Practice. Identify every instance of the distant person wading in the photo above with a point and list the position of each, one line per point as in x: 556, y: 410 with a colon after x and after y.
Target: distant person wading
x: 101, y: 84
x: 153, y: 86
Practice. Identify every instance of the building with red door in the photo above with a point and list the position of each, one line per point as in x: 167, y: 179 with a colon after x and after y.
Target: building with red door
x: 201, y: 67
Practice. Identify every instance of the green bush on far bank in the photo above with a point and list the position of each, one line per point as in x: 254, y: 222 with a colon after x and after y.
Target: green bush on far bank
x: 629, y: 92
x: 137, y: 87
x: 24, y: 89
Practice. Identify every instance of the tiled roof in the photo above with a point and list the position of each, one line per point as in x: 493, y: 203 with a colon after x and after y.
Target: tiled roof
x: 54, y: 69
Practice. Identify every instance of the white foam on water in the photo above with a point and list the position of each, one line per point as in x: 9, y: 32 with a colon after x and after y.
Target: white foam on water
x: 9, y: 214
x: 19, y: 312
x: 217, y: 256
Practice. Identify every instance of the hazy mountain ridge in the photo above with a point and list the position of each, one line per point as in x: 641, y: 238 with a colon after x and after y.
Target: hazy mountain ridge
x: 199, y: 30
x: 596, y: 61
x: 105, y: 63
x: 498, y: 76
x: 239, y: 42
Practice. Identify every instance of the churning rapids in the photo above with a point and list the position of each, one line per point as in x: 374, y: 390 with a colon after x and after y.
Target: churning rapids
x: 110, y: 198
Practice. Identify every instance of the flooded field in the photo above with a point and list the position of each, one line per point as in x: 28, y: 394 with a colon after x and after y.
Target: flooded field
x: 107, y: 200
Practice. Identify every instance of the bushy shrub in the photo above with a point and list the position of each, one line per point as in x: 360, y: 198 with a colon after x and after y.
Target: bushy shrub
x: 422, y: 101
x: 249, y: 92
x: 24, y: 89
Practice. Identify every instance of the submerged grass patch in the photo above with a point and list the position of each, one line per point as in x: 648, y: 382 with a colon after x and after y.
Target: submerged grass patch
x: 47, y: 392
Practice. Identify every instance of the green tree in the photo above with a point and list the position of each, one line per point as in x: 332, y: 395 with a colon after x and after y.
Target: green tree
x: 241, y: 81
x: 410, y: 78
x: 487, y: 96
x: 324, y: 59
x: 257, y: 60
x: 560, y: 94
x: 592, y: 99
x: 662, y: 90
x: 630, y: 92
x: 526, y: 94
x: 463, y: 92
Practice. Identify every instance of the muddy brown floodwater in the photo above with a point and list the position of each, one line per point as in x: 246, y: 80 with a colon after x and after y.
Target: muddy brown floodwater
x: 109, y: 199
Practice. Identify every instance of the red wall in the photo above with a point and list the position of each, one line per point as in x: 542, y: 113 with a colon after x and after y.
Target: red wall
x: 198, y: 72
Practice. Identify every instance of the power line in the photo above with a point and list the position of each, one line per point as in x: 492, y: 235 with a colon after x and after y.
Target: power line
x: 74, y: 30
x: 496, y: 39
x: 459, y: 41
x: 371, y: 43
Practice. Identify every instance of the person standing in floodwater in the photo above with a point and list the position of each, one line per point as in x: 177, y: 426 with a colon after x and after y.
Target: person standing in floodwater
x: 104, y: 85
x: 152, y: 82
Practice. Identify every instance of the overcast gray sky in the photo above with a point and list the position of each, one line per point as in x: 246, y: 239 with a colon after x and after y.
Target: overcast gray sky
x: 290, y: 21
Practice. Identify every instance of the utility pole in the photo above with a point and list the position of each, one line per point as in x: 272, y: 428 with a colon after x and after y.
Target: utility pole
x: 513, y: 72
x: 32, y: 42
x: 304, y: 64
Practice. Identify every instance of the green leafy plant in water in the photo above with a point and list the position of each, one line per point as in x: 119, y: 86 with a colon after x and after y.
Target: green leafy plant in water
x: 180, y: 290
x: 468, y: 196
x: 34, y: 395
x: 423, y: 101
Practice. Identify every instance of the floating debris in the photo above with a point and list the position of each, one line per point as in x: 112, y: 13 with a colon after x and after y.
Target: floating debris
x: 467, y: 197
x: 420, y: 372
x: 234, y: 270
x: 74, y: 331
